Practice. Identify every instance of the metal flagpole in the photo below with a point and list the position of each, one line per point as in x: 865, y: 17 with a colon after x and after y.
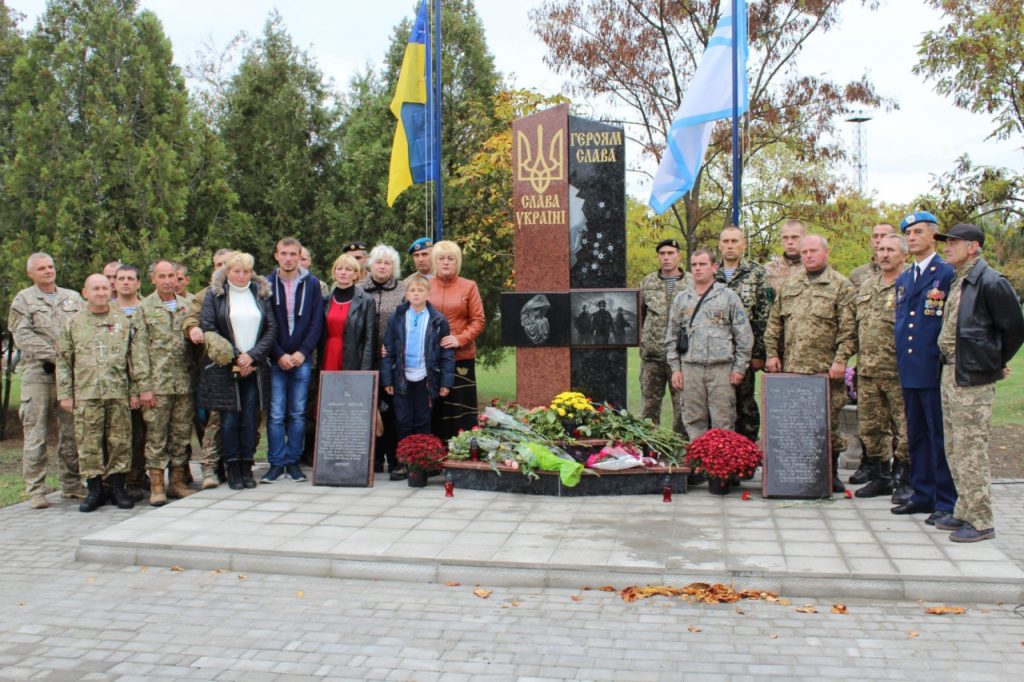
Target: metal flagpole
x: 736, y: 170
x: 438, y: 227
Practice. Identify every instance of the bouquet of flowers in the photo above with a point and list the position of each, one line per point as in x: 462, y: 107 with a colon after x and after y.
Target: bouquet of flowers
x: 421, y: 451
x: 721, y: 454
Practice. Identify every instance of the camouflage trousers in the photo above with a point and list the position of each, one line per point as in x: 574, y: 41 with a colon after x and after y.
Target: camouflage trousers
x: 881, y: 419
x: 966, y: 418
x: 100, y: 423
x: 748, y: 417
x: 655, y: 377
x: 709, y: 400
x: 38, y: 406
x: 837, y: 400
x: 168, y: 431
x: 211, y: 439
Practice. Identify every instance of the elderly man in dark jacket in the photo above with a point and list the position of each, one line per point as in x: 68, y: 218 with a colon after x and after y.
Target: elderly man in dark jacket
x: 982, y: 330
x: 239, y: 308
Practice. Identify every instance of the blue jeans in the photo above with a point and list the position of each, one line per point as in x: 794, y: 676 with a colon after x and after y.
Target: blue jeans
x: 238, y: 429
x: 286, y: 425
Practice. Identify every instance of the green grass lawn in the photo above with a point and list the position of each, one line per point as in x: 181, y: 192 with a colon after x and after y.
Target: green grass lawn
x: 500, y: 382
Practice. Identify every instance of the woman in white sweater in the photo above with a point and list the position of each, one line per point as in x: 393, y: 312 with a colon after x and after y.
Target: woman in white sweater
x: 237, y: 308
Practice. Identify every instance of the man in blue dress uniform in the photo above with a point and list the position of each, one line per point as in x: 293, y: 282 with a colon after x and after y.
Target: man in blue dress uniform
x: 921, y: 292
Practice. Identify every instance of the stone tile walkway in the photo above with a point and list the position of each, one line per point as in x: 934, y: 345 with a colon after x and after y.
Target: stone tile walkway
x: 63, y: 620
x: 843, y: 547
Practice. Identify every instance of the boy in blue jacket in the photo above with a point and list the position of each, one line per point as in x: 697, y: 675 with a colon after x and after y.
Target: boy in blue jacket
x: 416, y: 369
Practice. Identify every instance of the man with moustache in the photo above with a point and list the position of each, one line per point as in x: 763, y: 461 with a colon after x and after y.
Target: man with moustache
x: 881, y: 420
x: 420, y: 252
x: 862, y: 272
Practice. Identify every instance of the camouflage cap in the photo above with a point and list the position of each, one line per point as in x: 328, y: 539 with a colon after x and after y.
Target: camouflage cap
x: 218, y: 348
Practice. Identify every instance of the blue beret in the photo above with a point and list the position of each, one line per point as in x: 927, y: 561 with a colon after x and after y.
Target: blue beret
x: 919, y: 217
x: 420, y: 244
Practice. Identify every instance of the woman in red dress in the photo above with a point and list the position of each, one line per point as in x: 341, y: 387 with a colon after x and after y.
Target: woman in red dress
x: 350, y: 335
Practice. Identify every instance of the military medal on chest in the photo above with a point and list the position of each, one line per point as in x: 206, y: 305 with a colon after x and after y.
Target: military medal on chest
x: 935, y: 301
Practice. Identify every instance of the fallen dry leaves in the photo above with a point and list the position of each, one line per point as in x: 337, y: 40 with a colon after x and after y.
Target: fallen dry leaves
x: 913, y: 634
x: 694, y: 628
x: 176, y: 568
x: 839, y: 608
x: 482, y: 593
x: 577, y: 598
x: 300, y: 594
x: 807, y: 608
x: 945, y: 610
x: 696, y: 592
x: 452, y: 583
x: 774, y: 635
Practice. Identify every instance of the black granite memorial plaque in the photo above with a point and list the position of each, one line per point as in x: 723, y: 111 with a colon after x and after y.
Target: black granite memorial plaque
x: 796, y: 436
x: 535, y: 319
x: 346, y: 416
x: 605, y: 317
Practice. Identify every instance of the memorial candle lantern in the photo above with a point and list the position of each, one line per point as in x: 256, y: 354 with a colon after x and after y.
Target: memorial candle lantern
x: 449, y: 485
x: 666, y: 490
x: 474, y: 450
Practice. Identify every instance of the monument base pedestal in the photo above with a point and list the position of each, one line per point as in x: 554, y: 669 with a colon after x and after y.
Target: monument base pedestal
x: 481, y: 476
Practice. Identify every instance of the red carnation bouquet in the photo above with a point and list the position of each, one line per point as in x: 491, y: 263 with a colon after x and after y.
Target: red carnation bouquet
x: 421, y: 451
x: 721, y: 454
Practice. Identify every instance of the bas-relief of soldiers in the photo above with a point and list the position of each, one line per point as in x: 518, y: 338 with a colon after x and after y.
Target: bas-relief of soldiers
x: 96, y: 355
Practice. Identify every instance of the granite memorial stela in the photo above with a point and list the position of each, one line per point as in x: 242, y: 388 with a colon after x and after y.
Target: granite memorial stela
x: 569, y: 178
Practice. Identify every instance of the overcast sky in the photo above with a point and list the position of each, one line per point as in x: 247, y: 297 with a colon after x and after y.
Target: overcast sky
x: 904, y: 147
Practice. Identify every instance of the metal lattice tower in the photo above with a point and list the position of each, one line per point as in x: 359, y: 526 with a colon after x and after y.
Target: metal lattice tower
x: 860, y: 161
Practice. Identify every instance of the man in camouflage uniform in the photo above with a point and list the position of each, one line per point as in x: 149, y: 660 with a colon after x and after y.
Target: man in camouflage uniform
x: 126, y: 284
x: 94, y: 382
x: 779, y: 269
x: 657, y: 290
x: 881, y: 420
x: 712, y: 318
x: 749, y: 281
x: 811, y: 330
x: 862, y: 272
x: 166, y: 354
x: 35, y: 318
x: 982, y: 330
x: 182, y: 280
x: 211, y: 430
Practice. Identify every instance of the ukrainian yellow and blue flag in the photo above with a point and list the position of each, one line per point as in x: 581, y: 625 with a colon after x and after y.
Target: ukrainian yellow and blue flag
x: 411, y: 157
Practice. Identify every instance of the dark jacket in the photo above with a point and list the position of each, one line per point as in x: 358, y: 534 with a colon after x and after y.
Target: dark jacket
x: 440, y: 362
x: 309, y: 319
x: 917, y: 333
x: 989, y: 326
x: 360, y: 335
x: 217, y: 387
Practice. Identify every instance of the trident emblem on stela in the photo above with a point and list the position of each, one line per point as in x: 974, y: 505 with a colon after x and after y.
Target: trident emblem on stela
x: 535, y: 167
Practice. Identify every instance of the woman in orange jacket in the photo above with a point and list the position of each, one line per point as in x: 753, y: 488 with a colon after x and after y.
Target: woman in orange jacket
x: 458, y: 299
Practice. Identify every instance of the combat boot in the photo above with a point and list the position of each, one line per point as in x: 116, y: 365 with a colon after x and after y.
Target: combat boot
x: 902, y: 490
x: 234, y: 472
x: 119, y: 493
x: 864, y: 472
x: 210, y: 479
x: 157, y: 494
x: 248, y: 481
x: 880, y: 483
x: 94, y: 498
x: 178, y: 488
x: 837, y: 484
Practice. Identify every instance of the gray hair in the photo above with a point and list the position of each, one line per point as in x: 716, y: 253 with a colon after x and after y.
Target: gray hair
x: 824, y: 242
x: 899, y: 238
x: 38, y: 255
x: 383, y: 252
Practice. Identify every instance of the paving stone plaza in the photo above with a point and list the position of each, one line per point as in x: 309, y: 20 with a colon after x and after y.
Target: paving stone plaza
x: 293, y: 581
